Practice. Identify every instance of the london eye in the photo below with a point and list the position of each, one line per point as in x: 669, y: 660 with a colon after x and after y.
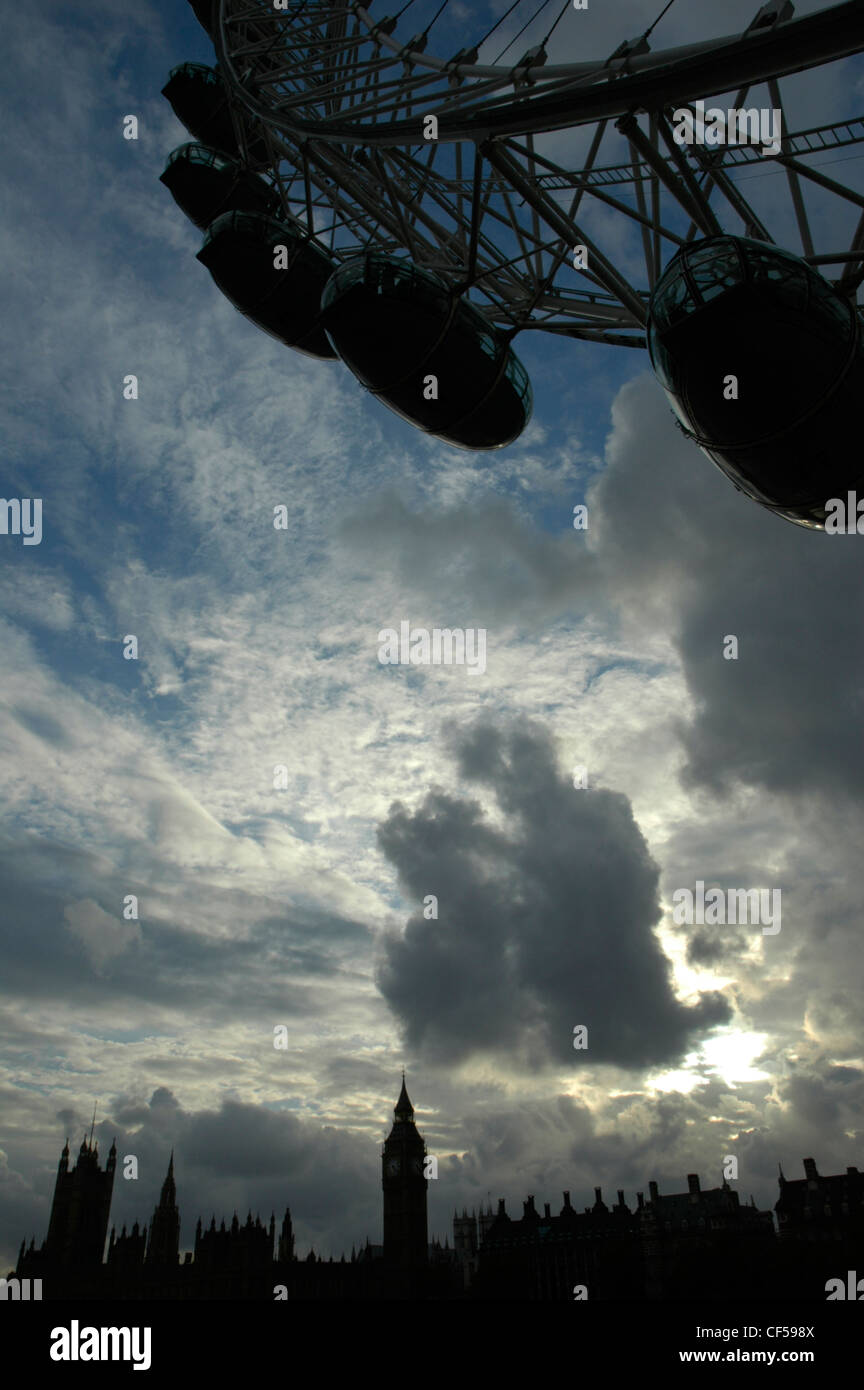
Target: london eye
x: 408, y: 198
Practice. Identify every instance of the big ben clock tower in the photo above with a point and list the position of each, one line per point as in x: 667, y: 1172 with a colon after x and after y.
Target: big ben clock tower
x: 403, y: 1162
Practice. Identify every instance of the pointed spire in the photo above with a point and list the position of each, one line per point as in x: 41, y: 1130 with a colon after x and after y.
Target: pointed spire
x: 168, y: 1195
x: 404, y: 1110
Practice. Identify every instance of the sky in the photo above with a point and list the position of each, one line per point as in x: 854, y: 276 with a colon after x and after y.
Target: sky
x: 302, y: 906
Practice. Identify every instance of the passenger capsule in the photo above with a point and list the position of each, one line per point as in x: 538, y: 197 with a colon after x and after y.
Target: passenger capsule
x: 274, y: 274
x: 427, y: 354
x: 198, y: 98
x: 762, y: 361
x: 205, y: 183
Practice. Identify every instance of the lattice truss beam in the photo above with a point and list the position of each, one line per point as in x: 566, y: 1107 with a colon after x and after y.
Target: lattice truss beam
x: 495, y: 211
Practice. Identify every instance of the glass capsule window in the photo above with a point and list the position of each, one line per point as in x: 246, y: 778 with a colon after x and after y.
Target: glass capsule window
x: 348, y: 274
x: 387, y: 276
x: 253, y: 224
x: 494, y: 345
x: 788, y: 277
x: 521, y: 382
x: 714, y: 269
x: 702, y: 272
x: 403, y: 279
x: 488, y: 339
x: 200, y: 154
x: 488, y: 343
x: 197, y: 70
x: 661, y: 361
x: 751, y: 247
x: 673, y: 300
x: 267, y: 230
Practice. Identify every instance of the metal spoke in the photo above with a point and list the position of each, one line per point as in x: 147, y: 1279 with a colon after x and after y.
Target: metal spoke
x: 339, y: 99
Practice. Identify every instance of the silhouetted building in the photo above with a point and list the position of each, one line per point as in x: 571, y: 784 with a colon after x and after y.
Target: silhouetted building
x: 403, y: 1163
x: 80, y: 1209
x: 163, y: 1246
x: 468, y: 1232
x: 698, y: 1244
x: 702, y: 1215
x: 126, y: 1252
x: 704, y: 1243
x: 817, y: 1208
x: 285, y: 1251
x: 546, y: 1257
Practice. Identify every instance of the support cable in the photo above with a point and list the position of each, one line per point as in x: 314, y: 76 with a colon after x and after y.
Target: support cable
x: 525, y: 26
x: 647, y: 33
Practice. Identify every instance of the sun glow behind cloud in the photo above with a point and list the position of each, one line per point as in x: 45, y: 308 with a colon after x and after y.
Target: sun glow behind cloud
x: 730, y: 1055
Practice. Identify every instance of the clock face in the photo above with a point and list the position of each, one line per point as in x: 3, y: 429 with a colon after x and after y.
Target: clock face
x: 392, y: 1167
x: 417, y: 1165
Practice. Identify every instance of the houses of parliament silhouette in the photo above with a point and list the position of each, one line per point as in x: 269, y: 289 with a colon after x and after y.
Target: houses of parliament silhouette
x: 702, y: 1243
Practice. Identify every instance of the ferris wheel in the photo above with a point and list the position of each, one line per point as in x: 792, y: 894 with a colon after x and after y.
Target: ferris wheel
x: 484, y: 180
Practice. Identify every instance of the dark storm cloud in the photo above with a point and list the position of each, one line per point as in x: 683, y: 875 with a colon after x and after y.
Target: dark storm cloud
x: 21, y: 1213
x: 251, y: 1157
x: 831, y: 1098
x: 786, y: 715
x: 543, y: 925
x: 163, y: 1107
x: 706, y: 948
x: 239, y: 1157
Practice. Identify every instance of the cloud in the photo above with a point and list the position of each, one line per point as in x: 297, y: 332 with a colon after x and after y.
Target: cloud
x: 545, y: 918
x: 483, y: 556
x: 236, y: 1156
x: 103, y: 937
x: 44, y: 598
x: 679, y: 546
x: 258, y: 648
